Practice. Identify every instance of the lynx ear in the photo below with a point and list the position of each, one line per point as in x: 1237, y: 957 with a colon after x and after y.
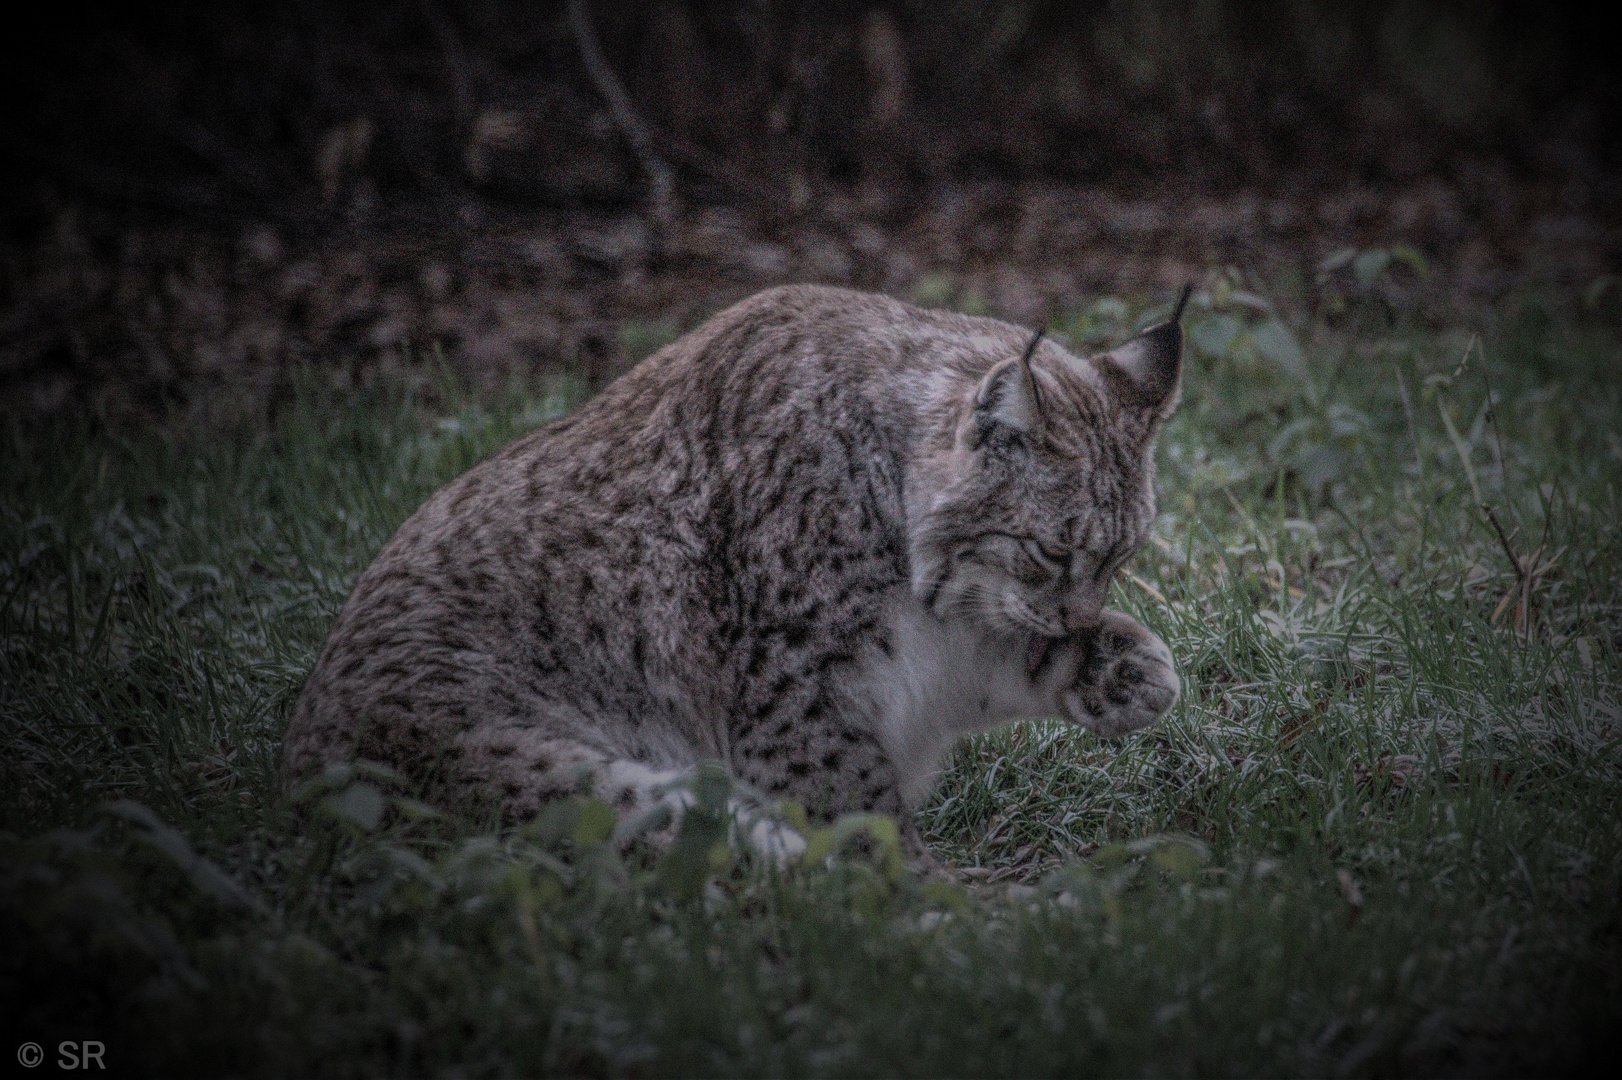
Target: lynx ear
x: 1147, y: 370
x: 1006, y: 400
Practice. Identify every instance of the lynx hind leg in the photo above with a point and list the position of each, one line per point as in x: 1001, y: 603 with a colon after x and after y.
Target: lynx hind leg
x: 1124, y: 679
x: 649, y: 802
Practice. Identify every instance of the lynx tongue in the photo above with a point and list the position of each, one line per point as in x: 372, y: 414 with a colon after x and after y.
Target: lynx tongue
x: 1035, y: 654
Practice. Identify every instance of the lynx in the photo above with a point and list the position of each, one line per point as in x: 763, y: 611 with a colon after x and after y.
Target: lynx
x: 815, y: 541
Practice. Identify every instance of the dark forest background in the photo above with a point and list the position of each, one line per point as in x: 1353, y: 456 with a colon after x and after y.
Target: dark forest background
x: 200, y: 200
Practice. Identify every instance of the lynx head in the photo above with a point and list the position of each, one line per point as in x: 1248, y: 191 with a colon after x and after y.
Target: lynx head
x: 1048, y: 485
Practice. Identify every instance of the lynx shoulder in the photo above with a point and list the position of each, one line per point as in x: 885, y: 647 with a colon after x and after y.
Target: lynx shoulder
x: 815, y: 540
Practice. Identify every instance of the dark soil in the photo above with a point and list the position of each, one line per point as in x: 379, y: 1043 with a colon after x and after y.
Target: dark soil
x: 203, y: 202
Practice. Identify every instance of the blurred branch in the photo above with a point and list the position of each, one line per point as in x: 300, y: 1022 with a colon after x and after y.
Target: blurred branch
x: 237, y: 168
x: 724, y: 172
x: 660, y: 179
x: 456, y: 66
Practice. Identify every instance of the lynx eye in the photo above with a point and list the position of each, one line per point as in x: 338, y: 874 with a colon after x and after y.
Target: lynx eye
x: 1053, y: 553
x: 1046, y: 556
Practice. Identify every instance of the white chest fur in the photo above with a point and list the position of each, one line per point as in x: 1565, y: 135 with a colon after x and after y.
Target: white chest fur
x: 942, y: 680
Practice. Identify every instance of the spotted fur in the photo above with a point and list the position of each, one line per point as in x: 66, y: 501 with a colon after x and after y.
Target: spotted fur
x: 814, y: 540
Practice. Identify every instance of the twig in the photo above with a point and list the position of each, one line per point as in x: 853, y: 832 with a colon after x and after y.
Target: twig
x: 1533, y: 567
x: 1492, y: 417
x: 1525, y: 569
x: 660, y: 179
x: 1475, y: 487
x: 722, y: 171
x: 450, y: 47
x: 1503, y: 541
x: 1523, y: 611
x: 1529, y: 570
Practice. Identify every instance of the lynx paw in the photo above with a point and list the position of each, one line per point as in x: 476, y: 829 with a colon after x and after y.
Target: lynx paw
x: 1126, y: 682
x: 772, y: 840
x: 653, y: 804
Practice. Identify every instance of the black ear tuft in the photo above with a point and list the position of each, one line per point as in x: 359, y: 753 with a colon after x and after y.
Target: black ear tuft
x: 1030, y: 376
x: 1182, y: 302
x: 1146, y: 371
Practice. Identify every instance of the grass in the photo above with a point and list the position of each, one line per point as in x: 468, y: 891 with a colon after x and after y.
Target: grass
x: 1379, y: 834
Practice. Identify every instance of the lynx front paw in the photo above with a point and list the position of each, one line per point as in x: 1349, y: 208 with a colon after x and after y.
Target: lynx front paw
x: 1125, y: 681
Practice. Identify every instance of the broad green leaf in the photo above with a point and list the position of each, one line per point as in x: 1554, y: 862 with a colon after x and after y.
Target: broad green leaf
x: 1111, y: 855
x: 205, y: 876
x: 1214, y: 335
x: 360, y: 804
x: 593, y: 824
x: 1369, y: 265
x: 415, y: 809
x: 879, y: 828
x: 1109, y: 309
x: 1337, y: 259
x: 793, y: 812
x: 1410, y: 257
x: 819, y: 844
x: 1175, y: 858
x: 948, y: 895
x: 1274, y: 342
